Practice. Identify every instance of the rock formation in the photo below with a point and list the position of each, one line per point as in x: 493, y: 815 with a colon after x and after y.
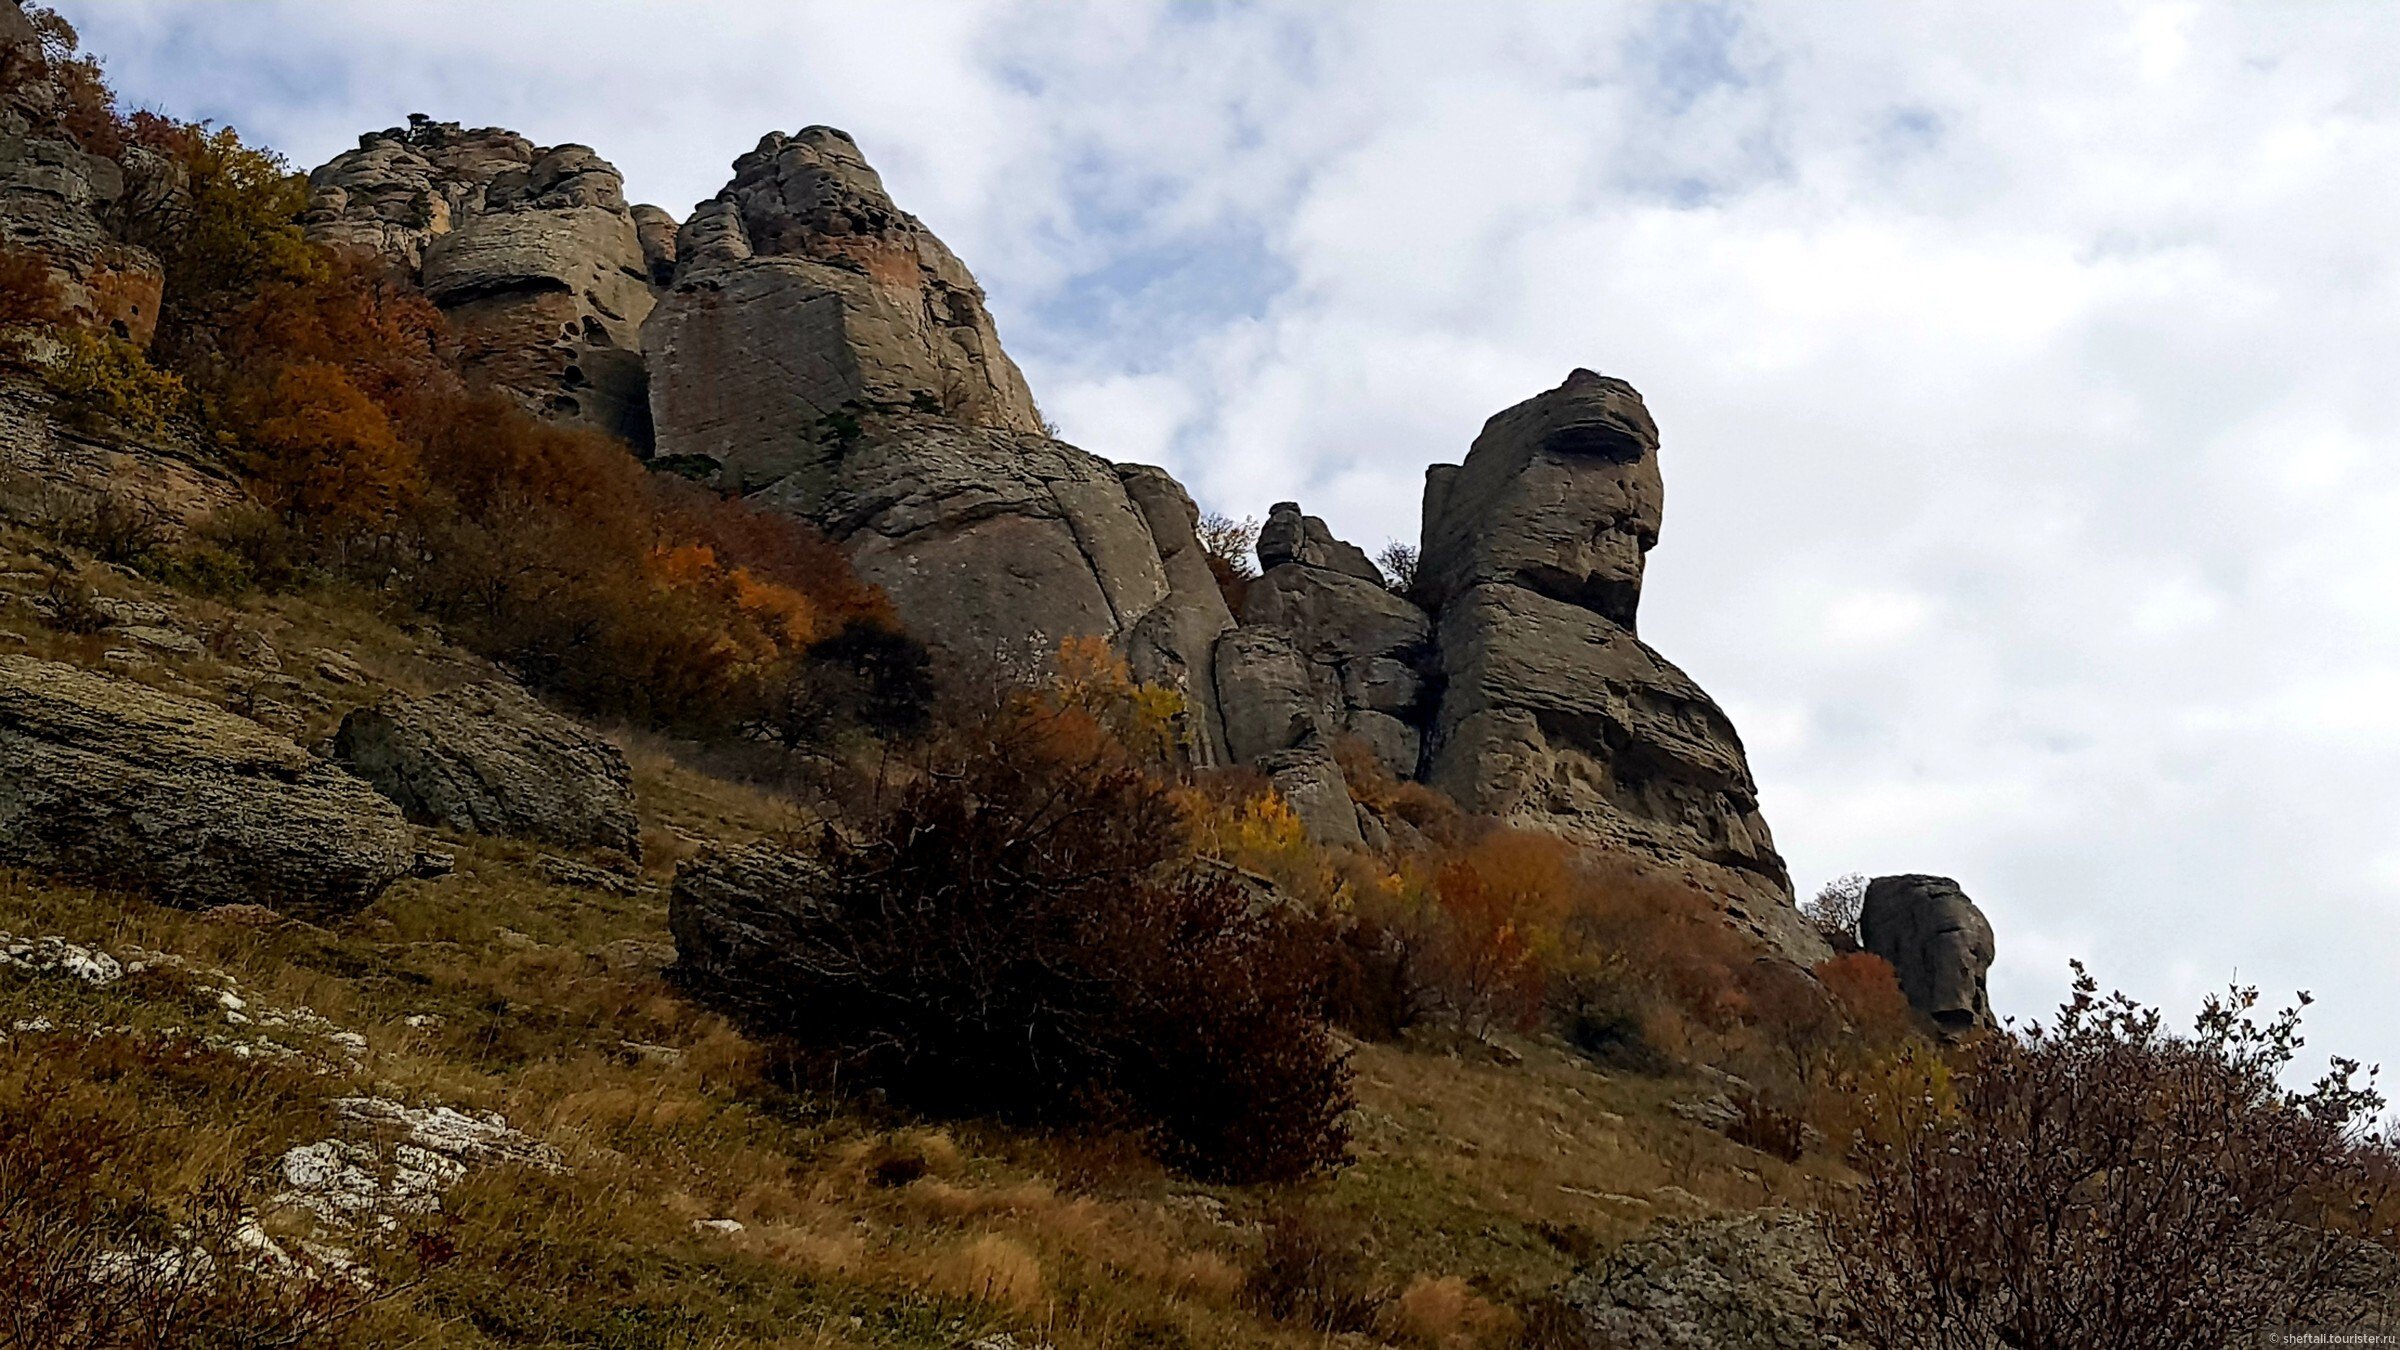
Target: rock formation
x: 117, y: 784
x: 53, y: 196
x: 531, y: 252
x: 1553, y: 712
x: 1938, y: 942
x: 731, y: 912
x: 491, y: 759
x: 1762, y: 1281
x: 822, y: 351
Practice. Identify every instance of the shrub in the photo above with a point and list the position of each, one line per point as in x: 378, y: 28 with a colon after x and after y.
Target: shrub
x: 29, y: 293
x: 1020, y: 931
x: 1312, y: 1270
x: 326, y: 455
x: 1399, y: 564
x: 104, y: 382
x: 1231, y: 547
x: 1867, y: 990
x: 1834, y: 911
x: 2101, y: 1182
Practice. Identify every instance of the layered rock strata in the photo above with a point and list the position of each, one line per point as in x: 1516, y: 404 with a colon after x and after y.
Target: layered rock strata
x: 54, y: 196
x: 491, y: 759
x: 532, y: 253
x: 1553, y: 713
x: 114, y: 783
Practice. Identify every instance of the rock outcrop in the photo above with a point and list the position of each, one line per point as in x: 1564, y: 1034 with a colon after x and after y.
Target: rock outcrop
x: 489, y: 758
x: 824, y: 353
x: 531, y: 252
x: 803, y: 298
x: 53, y: 196
x: 114, y: 783
x: 1369, y: 652
x: 1553, y: 713
x: 1939, y: 943
x: 731, y: 913
x: 1761, y: 1281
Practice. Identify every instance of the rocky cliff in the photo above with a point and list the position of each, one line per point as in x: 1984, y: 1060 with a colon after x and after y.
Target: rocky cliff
x: 805, y: 342
x: 542, y: 269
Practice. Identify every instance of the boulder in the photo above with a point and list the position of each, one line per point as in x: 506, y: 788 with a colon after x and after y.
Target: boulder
x: 531, y: 252
x: 731, y: 913
x: 1290, y: 537
x: 1175, y: 643
x: 1763, y: 1281
x: 53, y: 196
x: 1553, y: 713
x: 1308, y: 779
x: 1268, y: 700
x: 1938, y: 942
x: 117, y: 784
x: 489, y: 758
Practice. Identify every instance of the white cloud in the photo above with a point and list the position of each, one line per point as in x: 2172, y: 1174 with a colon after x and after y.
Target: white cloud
x: 2024, y: 370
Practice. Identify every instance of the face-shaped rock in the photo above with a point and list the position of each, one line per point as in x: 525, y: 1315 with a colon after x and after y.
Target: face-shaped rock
x: 1560, y: 495
x: 1938, y: 942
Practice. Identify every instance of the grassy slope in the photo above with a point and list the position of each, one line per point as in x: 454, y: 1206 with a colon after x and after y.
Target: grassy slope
x: 495, y: 989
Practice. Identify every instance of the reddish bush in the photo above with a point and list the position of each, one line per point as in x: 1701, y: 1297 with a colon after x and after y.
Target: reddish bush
x: 1868, y: 992
x: 29, y: 294
x: 326, y: 455
x: 1021, y: 931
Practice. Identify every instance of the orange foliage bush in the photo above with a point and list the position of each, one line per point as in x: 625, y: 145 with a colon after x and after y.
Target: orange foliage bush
x: 327, y: 456
x: 1867, y: 990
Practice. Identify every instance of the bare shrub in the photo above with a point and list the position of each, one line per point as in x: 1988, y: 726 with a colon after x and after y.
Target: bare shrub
x: 1232, y: 549
x: 70, y: 605
x: 1020, y: 931
x: 1399, y: 564
x: 1835, y: 909
x: 2099, y: 1181
x: 1313, y: 1271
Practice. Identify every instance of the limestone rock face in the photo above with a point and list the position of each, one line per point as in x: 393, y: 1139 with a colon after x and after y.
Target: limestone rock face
x: 1553, y: 713
x: 1290, y: 537
x: 1369, y: 652
x: 803, y: 296
x: 531, y: 252
x: 1940, y: 944
x: 114, y: 783
x: 1175, y: 644
x: 53, y: 195
x: 491, y: 759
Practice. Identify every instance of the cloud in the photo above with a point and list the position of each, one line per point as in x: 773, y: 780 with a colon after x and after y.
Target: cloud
x: 2024, y: 371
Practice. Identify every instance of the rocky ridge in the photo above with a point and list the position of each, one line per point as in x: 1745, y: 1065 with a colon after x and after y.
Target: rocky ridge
x: 805, y: 342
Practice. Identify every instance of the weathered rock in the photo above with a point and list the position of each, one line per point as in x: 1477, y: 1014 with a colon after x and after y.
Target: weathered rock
x: 114, y: 783
x: 491, y: 759
x: 1758, y: 1281
x: 1368, y: 652
x: 1268, y: 701
x: 992, y: 544
x: 1938, y: 942
x: 53, y: 194
x: 532, y: 253
x: 1175, y: 643
x: 1560, y: 495
x: 1290, y: 537
x: 804, y: 296
x: 61, y: 478
x: 1308, y: 779
x: 1553, y: 713
x: 732, y: 911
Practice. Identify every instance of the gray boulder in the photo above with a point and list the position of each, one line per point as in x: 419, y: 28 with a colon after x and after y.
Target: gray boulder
x: 731, y: 913
x: 1938, y: 942
x: 804, y: 296
x: 1268, y: 700
x: 1290, y: 537
x: 530, y: 251
x: 114, y: 783
x: 1312, y: 784
x: 491, y: 759
x: 1762, y: 1281
x: 1175, y: 643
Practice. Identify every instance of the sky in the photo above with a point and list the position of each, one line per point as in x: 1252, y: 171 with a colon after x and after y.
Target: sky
x: 2026, y: 371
